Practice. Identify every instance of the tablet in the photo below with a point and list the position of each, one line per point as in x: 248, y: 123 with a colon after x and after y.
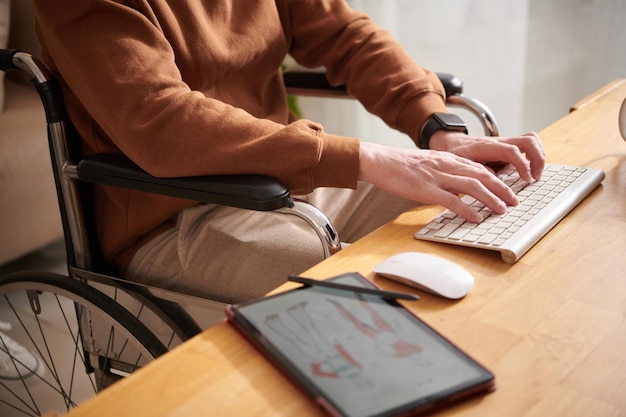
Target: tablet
x: 357, y: 354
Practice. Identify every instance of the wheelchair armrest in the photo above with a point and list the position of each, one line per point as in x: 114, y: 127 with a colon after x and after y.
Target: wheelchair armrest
x: 252, y: 192
x: 315, y: 83
x: 311, y: 83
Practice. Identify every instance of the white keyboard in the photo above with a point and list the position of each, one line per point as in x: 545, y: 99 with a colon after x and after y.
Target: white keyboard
x: 542, y: 205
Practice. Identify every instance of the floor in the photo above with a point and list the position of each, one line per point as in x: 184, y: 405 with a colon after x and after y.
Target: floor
x: 530, y: 60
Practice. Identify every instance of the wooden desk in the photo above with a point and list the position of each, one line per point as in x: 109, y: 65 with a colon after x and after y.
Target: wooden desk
x: 551, y: 327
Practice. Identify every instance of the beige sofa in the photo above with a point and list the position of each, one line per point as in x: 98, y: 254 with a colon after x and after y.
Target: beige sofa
x: 29, y: 213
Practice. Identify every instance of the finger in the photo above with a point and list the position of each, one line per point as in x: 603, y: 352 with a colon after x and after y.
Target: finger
x: 524, y: 152
x: 452, y: 202
x: 522, y: 165
x: 535, y: 153
x: 503, y: 150
x: 528, y: 157
x: 496, y: 200
x: 452, y: 185
x: 496, y: 186
x: 480, y: 182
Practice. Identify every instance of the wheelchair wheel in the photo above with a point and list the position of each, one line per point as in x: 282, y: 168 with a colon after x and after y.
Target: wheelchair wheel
x: 61, y: 341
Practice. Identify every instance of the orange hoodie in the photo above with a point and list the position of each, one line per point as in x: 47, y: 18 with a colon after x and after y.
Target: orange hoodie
x: 193, y: 87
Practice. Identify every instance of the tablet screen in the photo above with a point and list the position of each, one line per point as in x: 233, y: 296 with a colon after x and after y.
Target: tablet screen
x: 364, y: 355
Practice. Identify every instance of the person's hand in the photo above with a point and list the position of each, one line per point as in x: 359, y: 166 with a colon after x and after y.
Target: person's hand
x: 524, y: 152
x: 434, y: 177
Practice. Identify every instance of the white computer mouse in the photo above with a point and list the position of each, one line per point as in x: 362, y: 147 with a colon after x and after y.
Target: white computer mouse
x: 427, y: 272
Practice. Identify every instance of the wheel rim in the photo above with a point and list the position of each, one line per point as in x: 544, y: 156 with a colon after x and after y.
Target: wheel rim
x: 55, y: 329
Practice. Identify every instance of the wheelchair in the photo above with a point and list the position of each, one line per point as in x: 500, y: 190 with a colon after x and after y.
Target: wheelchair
x: 89, y: 328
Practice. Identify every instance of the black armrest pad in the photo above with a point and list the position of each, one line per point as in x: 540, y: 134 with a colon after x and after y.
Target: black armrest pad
x: 451, y: 84
x: 253, y: 192
x: 311, y: 83
x: 315, y: 83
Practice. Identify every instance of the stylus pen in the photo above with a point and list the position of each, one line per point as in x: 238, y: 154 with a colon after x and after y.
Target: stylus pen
x: 345, y: 287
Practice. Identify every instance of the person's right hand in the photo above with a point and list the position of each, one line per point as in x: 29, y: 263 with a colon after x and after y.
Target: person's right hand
x: 434, y: 177
x: 525, y: 152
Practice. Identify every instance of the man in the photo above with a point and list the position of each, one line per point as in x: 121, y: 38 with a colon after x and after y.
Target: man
x: 194, y: 87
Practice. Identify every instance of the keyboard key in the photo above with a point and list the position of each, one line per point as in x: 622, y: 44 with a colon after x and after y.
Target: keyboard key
x: 459, y: 233
x: 446, y: 230
x: 487, y: 238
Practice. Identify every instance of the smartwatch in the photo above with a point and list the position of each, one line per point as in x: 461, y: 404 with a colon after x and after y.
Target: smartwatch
x: 439, y: 121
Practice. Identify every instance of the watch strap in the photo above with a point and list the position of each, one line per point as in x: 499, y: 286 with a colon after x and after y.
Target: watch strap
x: 439, y: 121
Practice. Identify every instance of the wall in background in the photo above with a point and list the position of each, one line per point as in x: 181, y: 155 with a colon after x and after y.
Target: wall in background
x: 574, y: 48
x: 528, y: 60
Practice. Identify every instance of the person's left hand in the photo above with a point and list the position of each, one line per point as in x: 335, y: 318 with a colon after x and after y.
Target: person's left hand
x: 524, y: 152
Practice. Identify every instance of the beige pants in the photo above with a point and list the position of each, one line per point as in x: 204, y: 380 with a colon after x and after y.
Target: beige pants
x: 232, y: 255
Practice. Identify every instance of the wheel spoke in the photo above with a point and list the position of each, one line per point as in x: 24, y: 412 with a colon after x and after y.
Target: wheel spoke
x: 65, y: 315
x: 32, y: 412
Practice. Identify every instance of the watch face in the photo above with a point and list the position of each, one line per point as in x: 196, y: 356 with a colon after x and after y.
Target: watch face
x: 450, y: 120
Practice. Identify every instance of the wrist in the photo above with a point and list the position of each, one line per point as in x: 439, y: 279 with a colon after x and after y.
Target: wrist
x: 440, y: 122
x: 366, y: 158
x: 445, y: 140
